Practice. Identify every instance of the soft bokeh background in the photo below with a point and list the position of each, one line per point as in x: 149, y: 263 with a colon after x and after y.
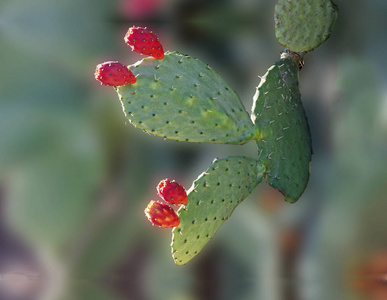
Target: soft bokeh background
x: 75, y: 177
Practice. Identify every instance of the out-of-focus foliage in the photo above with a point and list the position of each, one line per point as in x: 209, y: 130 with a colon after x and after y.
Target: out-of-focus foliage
x: 75, y: 178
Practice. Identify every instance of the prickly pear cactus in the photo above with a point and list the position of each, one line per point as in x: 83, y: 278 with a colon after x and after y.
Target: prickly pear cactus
x: 178, y: 97
x: 302, y: 25
x: 285, y: 143
x: 211, y: 200
x: 181, y: 98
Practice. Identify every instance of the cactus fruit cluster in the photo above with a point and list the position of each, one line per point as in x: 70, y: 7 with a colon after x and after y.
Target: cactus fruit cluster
x: 178, y: 97
x: 162, y: 214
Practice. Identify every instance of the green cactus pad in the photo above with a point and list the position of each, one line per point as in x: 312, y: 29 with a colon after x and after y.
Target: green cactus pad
x: 183, y: 99
x: 211, y: 200
x: 285, y: 143
x: 302, y: 25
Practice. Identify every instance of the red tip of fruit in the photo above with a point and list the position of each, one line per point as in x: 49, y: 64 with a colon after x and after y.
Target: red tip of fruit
x: 172, y: 192
x: 161, y: 214
x: 113, y: 73
x: 143, y: 41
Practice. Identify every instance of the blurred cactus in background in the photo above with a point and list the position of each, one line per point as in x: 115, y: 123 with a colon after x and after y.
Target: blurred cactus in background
x: 75, y: 179
x: 303, y: 25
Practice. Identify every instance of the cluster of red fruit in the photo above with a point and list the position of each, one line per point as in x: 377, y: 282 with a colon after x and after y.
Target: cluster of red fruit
x: 141, y: 40
x: 162, y: 214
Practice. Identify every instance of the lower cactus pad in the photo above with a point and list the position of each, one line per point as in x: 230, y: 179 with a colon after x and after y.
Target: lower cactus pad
x: 211, y: 200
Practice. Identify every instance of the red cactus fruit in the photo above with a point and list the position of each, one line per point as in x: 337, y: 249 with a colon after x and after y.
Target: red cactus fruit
x: 172, y: 192
x: 161, y: 214
x: 114, y: 73
x: 143, y: 41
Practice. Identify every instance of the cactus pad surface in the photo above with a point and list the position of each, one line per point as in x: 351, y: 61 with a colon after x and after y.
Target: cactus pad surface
x: 302, y: 25
x: 212, y: 198
x: 183, y: 99
x: 285, y: 143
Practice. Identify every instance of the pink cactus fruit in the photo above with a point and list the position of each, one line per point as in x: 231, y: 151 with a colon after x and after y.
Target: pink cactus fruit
x: 161, y: 214
x: 172, y: 192
x: 113, y: 73
x: 143, y: 41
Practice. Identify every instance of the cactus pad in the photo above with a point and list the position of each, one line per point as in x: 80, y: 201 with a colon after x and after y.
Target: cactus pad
x: 302, y: 25
x: 285, y: 144
x: 183, y: 99
x: 211, y: 200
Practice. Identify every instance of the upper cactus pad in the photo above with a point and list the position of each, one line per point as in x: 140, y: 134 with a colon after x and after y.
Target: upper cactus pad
x: 302, y: 25
x: 285, y: 143
x: 211, y: 200
x: 181, y: 98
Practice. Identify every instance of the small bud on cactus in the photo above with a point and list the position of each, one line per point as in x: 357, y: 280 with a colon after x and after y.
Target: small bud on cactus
x: 113, y: 73
x: 143, y: 41
x: 172, y: 192
x: 161, y: 214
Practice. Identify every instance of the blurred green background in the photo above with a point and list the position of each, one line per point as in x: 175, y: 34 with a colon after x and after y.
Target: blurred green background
x: 75, y: 177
